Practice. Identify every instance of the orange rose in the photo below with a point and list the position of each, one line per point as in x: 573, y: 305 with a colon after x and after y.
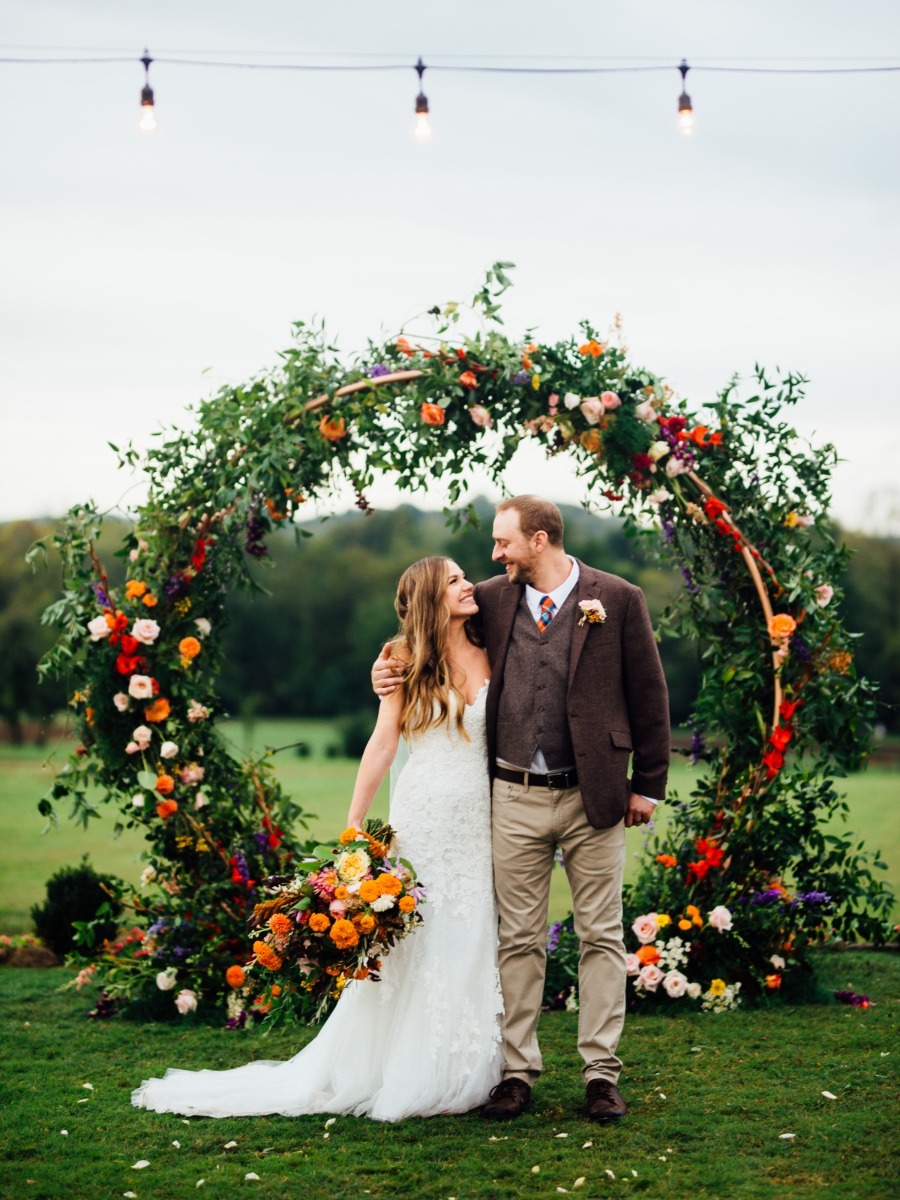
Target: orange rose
x: 343, y: 934
x: 406, y: 904
x: 647, y: 955
x: 149, y: 600
x: 773, y: 981
x: 332, y: 429
x: 362, y: 973
x: 591, y: 349
x: 280, y: 924
x: 684, y: 924
x: 235, y: 976
x: 781, y: 627
x: 432, y: 414
x: 189, y: 647
x: 369, y: 891
x: 158, y: 710
x: 166, y: 808
x: 591, y: 441
x: 469, y: 380
x: 165, y: 785
x: 318, y: 922
x: 667, y: 860
x: 134, y: 589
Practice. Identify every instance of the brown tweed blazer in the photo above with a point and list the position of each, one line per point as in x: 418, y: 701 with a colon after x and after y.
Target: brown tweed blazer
x: 617, y: 702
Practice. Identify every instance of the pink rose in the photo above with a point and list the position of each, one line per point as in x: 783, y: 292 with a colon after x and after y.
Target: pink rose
x: 197, y: 712
x: 132, y: 748
x: 650, y: 977
x: 632, y: 964
x: 142, y: 735
x: 824, y: 592
x: 186, y: 1001
x: 609, y: 400
x: 675, y: 984
x: 645, y: 411
x: 192, y: 774
x: 676, y: 466
x: 121, y: 701
x: 337, y: 908
x: 553, y: 403
x: 719, y: 918
x: 592, y: 408
x: 145, y: 631
x: 645, y: 928
x: 168, y: 750
x: 140, y: 687
x: 480, y: 416
x: 98, y: 629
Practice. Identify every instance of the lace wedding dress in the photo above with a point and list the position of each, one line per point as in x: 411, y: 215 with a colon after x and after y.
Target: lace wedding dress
x: 426, y: 1038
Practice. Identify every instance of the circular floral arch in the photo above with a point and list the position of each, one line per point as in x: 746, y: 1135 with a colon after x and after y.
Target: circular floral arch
x: 732, y: 495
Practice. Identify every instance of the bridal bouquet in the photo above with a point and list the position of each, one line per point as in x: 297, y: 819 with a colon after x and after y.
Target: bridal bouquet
x: 331, y: 922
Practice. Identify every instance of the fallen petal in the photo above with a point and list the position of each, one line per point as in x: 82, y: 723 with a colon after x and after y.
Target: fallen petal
x: 140, y: 1164
x: 610, y: 1173
x: 130, y: 1195
x: 229, y: 1145
x: 829, y: 1095
x: 199, y: 1183
x: 89, y: 1086
x: 64, y: 1133
x: 330, y: 1122
x: 634, y: 1172
x: 587, y: 1145
x: 177, y: 1145
x: 84, y: 1100
x: 535, y: 1170
x: 560, y: 1135
x: 662, y: 1095
x: 579, y: 1182
x: 787, y: 1136
x: 251, y: 1175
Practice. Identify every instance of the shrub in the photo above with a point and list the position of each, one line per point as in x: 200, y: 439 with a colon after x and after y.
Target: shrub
x: 75, y: 894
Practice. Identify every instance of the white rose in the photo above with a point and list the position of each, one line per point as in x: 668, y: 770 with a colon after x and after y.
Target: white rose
x: 645, y: 411
x: 168, y: 749
x: 383, y: 903
x: 98, y: 629
x: 138, y: 800
x: 645, y: 928
x: 719, y: 918
x: 148, y: 875
x: 352, y: 865
x: 824, y: 592
x: 200, y: 800
x: 204, y: 626
x: 570, y: 400
x: 632, y: 964
x: 165, y: 980
x: 142, y: 735
x: 660, y: 496
x: 121, y: 701
x: 186, y: 1001
x: 694, y: 990
x: 145, y: 631
x: 659, y: 450
x: 592, y: 409
x: 675, y: 984
x: 650, y: 977
x: 777, y: 962
x: 141, y: 687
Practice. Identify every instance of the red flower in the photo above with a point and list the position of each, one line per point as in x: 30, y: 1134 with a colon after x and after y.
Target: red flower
x: 127, y: 664
x: 129, y: 644
x: 789, y: 707
x: 673, y: 424
x: 468, y: 380
x: 433, y: 414
x: 780, y: 737
x: 773, y: 761
x: 713, y: 507
x: 642, y: 461
x: 698, y: 870
x: 198, y: 557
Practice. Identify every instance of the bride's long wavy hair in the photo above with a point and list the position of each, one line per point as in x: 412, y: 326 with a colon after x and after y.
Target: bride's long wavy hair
x: 422, y: 640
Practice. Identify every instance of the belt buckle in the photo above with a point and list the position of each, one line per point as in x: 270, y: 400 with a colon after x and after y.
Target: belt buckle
x: 557, y: 775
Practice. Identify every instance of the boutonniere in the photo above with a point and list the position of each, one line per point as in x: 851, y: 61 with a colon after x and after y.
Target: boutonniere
x: 592, y: 611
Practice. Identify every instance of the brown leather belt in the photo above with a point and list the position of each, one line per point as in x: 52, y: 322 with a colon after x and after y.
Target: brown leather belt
x: 557, y: 780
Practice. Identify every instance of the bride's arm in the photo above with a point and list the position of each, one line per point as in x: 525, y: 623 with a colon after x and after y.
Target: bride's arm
x: 377, y: 757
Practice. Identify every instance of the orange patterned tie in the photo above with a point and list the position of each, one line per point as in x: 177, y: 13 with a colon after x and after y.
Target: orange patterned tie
x: 548, y: 611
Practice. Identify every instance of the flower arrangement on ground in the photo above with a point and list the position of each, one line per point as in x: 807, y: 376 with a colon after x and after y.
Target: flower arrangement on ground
x: 330, y: 923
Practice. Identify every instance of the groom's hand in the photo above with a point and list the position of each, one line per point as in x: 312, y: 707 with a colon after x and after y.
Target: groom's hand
x: 639, y: 811
x: 387, y: 673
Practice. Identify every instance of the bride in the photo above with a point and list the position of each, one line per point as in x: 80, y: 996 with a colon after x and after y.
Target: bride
x: 426, y: 1038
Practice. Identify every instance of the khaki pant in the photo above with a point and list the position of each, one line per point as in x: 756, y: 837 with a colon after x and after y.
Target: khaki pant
x: 528, y: 824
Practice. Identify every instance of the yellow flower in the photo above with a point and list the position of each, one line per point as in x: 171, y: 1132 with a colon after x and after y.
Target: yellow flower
x: 352, y: 865
x: 662, y: 920
x: 536, y: 382
x: 790, y: 520
x: 717, y: 987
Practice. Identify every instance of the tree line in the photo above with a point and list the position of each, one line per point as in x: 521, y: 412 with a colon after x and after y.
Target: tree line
x: 306, y: 648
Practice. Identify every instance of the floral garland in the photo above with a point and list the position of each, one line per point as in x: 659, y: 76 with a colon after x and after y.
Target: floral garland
x: 739, y: 502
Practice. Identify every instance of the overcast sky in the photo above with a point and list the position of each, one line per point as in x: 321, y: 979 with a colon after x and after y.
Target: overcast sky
x: 138, y: 273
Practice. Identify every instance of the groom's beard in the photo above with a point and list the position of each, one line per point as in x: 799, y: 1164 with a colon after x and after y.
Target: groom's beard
x: 520, y: 573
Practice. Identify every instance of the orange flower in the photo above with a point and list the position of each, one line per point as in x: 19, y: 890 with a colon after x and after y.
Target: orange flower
x: 318, y: 922
x: 165, y: 785
x: 158, y: 710
x: 348, y: 836
x: 280, y: 924
x: 362, y: 973
x: 166, y: 808
x: 591, y: 349
x: 134, y: 589
x: 89, y: 715
x: 149, y: 600
x: 432, y: 414
x: 781, y: 627
x: 404, y: 347
x: 343, y: 934
x: 591, y: 441
x: 773, y: 981
x: 275, y: 990
x: 406, y: 903
x: 369, y: 891
x: 365, y: 923
x: 332, y: 429
x: 469, y: 380
x: 266, y: 956
x: 684, y: 924
x: 189, y: 647
x: 389, y: 884
x: 341, y: 893
x: 526, y: 362
x: 235, y: 976
x: 647, y: 955
x: 667, y: 860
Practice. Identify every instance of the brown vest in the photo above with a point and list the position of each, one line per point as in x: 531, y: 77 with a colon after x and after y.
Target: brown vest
x: 532, y: 710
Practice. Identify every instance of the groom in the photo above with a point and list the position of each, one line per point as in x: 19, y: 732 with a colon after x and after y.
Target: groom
x: 576, y: 689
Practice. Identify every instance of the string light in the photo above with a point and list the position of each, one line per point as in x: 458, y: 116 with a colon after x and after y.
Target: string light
x: 148, y: 114
x: 423, y: 127
x: 685, y: 108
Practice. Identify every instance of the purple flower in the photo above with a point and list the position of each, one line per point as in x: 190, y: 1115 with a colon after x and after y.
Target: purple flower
x: 668, y: 530
x: 237, y: 1022
x: 800, y: 649
x: 698, y: 746
x: 857, y: 999
x: 520, y: 378
x: 378, y: 370
x: 553, y: 935
x: 262, y: 841
x: 769, y: 896
x: 174, y: 586
x: 689, y: 579
x: 813, y: 899
x: 100, y: 594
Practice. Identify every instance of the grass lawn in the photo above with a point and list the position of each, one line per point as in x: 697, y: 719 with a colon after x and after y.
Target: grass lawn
x: 322, y: 786
x: 710, y: 1098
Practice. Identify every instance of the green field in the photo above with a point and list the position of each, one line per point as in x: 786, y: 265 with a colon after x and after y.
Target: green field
x: 322, y: 786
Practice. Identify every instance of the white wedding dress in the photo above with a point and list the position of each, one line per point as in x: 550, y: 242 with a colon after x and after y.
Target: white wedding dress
x: 426, y: 1038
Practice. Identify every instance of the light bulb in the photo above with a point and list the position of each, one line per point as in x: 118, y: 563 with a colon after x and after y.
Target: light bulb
x: 148, y: 119
x: 686, y: 121
x: 423, y: 128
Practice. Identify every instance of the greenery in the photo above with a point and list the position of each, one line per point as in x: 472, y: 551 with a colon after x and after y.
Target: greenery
x: 740, y: 502
x: 77, y: 895
x: 709, y: 1099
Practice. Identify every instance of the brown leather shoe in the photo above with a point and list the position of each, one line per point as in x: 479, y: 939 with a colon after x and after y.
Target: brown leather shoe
x: 508, y: 1100
x: 603, y: 1102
